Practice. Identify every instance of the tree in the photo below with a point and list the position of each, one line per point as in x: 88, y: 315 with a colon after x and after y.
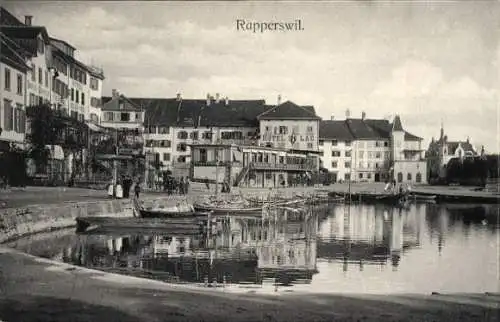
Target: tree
x: 50, y: 128
x: 44, y: 131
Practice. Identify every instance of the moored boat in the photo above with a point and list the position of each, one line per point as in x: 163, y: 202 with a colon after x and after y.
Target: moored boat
x: 424, y: 197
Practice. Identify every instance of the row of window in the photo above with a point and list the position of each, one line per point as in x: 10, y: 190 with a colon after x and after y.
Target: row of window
x: 58, y: 86
x: 78, y: 74
x: 122, y: 117
x: 374, y: 154
x: 157, y: 130
x: 7, y: 82
x: 14, y: 117
x: 284, y: 130
x: 335, y: 142
x: 361, y: 144
x: 75, y: 96
x: 159, y: 143
x: 167, y: 157
x: 335, y: 164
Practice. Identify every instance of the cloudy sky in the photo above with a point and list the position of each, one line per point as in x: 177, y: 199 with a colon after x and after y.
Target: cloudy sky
x: 429, y: 63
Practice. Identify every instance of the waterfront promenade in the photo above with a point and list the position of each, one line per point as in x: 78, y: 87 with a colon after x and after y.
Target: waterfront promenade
x: 18, y: 197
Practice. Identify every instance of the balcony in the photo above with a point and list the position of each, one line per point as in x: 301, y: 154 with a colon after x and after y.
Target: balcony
x: 212, y: 163
x: 281, y: 166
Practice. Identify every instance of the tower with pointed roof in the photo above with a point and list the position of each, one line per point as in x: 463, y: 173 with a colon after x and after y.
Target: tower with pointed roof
x: 397, y: 138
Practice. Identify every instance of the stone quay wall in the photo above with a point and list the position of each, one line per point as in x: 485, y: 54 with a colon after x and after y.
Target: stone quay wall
x: 31, y: 219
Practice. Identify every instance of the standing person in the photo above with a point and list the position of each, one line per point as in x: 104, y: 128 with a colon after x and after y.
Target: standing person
x: 207, y: 184
x: 186, y: 185
x: 181, y: 186
x: 137, y: 189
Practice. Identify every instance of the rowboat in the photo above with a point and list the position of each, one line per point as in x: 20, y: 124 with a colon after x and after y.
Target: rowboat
x: 186, y: 225
x: 179, y: 211
x: 424, y: 197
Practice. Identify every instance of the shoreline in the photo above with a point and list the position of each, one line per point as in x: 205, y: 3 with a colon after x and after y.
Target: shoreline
x: 38, y: 288
x: 152, y: 300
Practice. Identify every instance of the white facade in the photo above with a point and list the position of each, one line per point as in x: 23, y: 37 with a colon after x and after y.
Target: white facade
x: 371, y: 160
x: 172, y: 144
x: 336, y: 156
x: 39, y: 78
x: 290, y: 134
x: 12, y: 104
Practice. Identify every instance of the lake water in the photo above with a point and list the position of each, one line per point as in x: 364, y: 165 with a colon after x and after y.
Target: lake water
x: 340, y: 249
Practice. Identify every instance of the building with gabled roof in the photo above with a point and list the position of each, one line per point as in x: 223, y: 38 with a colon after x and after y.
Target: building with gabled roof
x: 13, y: 67
x: 441, y: 151
x: 290, y: 126
x: 365, y: 150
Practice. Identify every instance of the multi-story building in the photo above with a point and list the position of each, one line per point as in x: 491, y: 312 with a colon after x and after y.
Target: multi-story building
x: 441, y: 151
x: 13, y: 68
x: 55, y: 76
x: 171, y: 125
x: 122, y: 135
x: 77, y: 87
x: 290, y: 126
x: 371, y: 150
x: 286, y: 152
x: 335, y: 146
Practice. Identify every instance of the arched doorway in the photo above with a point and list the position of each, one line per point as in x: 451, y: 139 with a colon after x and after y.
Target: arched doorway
x: 418, y: 178
x: 377, y: 177
x: 400, y: 177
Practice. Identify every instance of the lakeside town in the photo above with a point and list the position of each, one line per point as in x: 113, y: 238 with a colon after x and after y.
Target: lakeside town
x: 58, y: 129
x: 129, y: 208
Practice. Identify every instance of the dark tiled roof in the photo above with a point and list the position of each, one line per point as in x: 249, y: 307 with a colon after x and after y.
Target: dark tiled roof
x: 396, y: 125
x: 337, y: 130
x: 195, y: 112
x: 362, y: 129
x: 411, y: 137
x: 113, y: 104
x: 291, y: 111
x: 453, y: 146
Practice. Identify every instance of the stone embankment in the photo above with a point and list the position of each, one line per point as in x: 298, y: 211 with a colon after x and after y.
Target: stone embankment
x: 30, y: 219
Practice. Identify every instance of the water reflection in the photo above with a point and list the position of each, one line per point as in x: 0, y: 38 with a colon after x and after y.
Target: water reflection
x: 426, y: 247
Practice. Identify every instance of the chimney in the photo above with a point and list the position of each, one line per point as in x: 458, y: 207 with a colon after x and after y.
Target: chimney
x: 347, y: 113
x: 363, y: 115
x: 114, y: 93
x: 279, y: 99
x: 208, y: 99
x: 179, y: 97
x: 226, y: 100
x: 217, y: 97
x: 28, y: 20
x: 332, y: 117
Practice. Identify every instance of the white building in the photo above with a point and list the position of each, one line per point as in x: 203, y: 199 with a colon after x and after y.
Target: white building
x: 13, y: 68
x: 77, y: 87
x: 173, y: 124
x: 371, y: 150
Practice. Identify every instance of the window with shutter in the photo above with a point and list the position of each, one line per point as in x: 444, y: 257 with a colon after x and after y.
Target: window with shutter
x: 6, y: 111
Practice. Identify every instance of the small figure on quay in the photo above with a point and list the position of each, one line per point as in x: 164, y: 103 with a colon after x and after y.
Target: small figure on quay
x: 137, y: 189
x: 181, y: 186
x: 186, y: 184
